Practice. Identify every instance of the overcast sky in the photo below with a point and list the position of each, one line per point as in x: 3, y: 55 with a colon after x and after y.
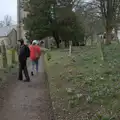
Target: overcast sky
x: 8, y: 7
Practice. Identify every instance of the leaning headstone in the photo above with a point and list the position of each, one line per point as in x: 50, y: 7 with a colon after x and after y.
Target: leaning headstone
x: 13, y: 55
x: 9, y: 57
x: 16, y: 56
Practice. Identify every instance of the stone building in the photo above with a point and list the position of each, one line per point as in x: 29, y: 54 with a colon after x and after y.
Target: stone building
x: 8, y: 35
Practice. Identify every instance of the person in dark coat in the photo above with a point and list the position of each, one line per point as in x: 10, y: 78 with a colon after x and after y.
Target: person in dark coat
x: 24, y: 53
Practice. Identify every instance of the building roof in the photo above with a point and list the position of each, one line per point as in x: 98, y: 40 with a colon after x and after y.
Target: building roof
x: 4, y: 31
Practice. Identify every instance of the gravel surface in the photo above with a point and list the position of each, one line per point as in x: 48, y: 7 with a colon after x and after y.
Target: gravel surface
x: 26, y: 101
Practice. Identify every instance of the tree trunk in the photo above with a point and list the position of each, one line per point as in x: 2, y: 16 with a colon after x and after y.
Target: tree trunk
x: 56, y: 37
x: 77, y: 43
x: 74, y: 44
x: 92, y: 39
x: 108, y: 35
x: 65, y: 44
x: 62, y: 44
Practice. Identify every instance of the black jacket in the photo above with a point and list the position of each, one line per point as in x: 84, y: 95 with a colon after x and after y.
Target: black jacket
x: 24, y: 53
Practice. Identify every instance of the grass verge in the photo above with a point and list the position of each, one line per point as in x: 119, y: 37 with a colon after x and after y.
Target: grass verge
x: 83, y: 87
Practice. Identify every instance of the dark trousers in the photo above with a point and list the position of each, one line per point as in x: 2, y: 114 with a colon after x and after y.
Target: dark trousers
x: 23, y: 68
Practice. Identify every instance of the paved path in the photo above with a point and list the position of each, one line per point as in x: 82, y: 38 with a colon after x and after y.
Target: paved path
x: 26, y: 101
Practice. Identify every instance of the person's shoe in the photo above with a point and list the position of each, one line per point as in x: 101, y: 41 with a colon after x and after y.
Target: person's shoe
x: 27, y: 80
x: 32, y: 74
x: 20, y: 79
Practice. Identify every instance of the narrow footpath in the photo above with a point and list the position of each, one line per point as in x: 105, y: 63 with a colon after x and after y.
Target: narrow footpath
x: 26, y: 101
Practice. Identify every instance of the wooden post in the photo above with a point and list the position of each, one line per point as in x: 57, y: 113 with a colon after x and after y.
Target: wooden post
x: 101, y: 48
x: 70, y: 48
x: 4, y: 57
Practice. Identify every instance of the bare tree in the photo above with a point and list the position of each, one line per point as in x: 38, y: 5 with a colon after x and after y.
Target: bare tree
x: 89, y: 14
x: 7, y: 20
x: 1, y: 24
x: 109, y: 11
